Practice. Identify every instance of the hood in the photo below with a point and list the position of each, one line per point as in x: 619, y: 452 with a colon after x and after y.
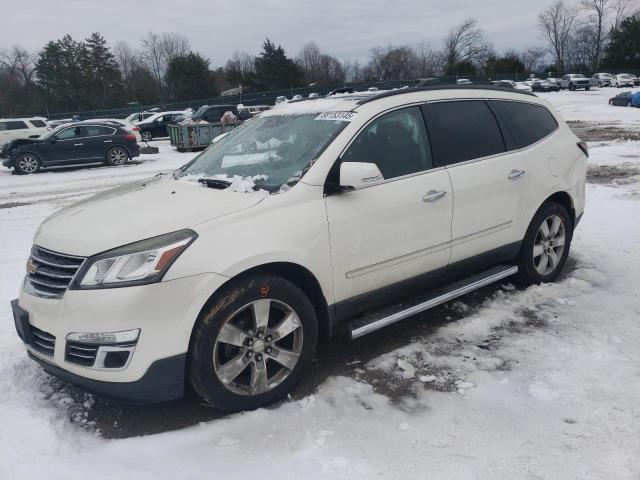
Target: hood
x: 138, y: 211
x: 18, y: 142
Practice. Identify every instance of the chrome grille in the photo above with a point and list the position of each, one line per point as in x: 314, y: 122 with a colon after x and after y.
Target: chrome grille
x: 50, y: 273
x: 42, y: 341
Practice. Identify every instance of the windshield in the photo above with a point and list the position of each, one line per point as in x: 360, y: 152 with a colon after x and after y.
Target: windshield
x: 578, y: 75
x: 272, y: 151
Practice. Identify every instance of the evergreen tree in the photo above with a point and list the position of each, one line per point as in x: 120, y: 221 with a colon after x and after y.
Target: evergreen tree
x: 509, y: 63
x: 274, y: 70
x: 623, y: 51
x: 102, y: 73
x: 188, y: 77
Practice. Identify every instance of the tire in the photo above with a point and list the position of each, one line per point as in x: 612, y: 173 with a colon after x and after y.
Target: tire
x: 587, y: 88
x: 27, y: 163
x: 117, y: 156
x: 542, y: 259
x: 146, y: 136
x: 611, y: 102
x: 232, y: 359
x: 572, y: 87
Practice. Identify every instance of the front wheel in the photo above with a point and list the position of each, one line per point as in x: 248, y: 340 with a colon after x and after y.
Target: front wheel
x: 117, y: 156
x: 546, y: 244
x: 587, y: 88
x: 252, y: 345
x: 27, y: 163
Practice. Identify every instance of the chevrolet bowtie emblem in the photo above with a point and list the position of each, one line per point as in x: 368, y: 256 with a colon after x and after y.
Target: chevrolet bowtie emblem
x: 31, y: 267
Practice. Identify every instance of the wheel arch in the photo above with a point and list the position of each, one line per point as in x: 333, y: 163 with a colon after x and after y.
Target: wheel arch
x: 564, y: 199
x: 299, y: 276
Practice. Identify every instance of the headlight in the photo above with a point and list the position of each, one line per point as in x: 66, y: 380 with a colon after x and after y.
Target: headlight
x: 138, y: 263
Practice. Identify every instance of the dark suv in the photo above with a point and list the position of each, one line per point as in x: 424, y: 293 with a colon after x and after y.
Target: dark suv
x: 72, y: 144
x: 214, y: 113
x: 156, y: 125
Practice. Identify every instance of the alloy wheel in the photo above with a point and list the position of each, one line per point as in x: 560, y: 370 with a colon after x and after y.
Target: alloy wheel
x: 146, y: 136
x: 549, y: 245
x: 28, y: 163
x: 258, y: 347
x: 118, y: 156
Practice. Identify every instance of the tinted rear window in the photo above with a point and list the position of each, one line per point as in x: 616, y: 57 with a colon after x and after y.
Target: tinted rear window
x: 13, y: 125
x: 525, y: 123
x: 462, y: 130
x: 38, y: 123
x: 96, y: 130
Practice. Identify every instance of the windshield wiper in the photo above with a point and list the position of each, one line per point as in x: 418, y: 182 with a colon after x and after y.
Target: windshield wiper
x: 215, y: 183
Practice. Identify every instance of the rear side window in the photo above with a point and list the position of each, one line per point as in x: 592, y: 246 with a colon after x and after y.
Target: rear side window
x: 462, y: 130
x: 525, y: 123
x: 38, y: 123
x: 396, y: 142
x: 94, y: 131
x: 13, y: 125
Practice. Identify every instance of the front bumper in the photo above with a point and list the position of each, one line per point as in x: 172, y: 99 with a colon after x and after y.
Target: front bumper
x: 164, y: 312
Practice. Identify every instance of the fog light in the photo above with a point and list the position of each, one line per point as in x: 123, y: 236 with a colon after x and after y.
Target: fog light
x: 105, y: 338
x: 116, y: 359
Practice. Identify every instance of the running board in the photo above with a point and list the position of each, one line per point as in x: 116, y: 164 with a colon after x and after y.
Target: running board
x: 377, y: 320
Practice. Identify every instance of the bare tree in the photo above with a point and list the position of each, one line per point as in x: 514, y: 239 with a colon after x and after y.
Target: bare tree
x: 240, y: 68
x: 428, y: 61
x: 159, y: 49
x: 19, y: 65
x: 352, y: 70
x: 126, y: 58
x: 531, y: 58
x: 556, y: 25
x: 466, y: 43
x: 392, y: 63
x: 596, y: 11
x: 621, y: 10
x: 309, y: 59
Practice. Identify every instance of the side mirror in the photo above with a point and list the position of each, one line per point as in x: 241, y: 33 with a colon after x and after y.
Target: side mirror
x: 54, y: 140
x: 354, y: 175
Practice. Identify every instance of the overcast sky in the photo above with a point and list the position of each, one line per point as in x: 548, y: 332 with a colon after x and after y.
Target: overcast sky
x: 343, y: 28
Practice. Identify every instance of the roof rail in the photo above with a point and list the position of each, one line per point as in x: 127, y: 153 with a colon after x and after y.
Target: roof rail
x: 402, y: 91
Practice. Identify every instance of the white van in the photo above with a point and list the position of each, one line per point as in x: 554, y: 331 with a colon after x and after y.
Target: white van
x: 12, y: 128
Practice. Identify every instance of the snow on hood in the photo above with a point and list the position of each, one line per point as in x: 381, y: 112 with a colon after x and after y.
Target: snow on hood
x: 239, y: 184
x: 137, y: 211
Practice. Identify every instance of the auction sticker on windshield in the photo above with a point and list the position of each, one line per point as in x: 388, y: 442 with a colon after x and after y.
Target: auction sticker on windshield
x: 341, y: 116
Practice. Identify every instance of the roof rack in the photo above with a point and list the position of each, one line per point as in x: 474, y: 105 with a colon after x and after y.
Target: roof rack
x: 402, y: 91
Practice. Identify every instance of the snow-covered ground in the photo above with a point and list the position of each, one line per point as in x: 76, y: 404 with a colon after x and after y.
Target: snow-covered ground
x: 542, y: 383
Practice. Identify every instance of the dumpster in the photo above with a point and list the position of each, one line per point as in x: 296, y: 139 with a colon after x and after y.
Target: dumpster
x: 196, y: 136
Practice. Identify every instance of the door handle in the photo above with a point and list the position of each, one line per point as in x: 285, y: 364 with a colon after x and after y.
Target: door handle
x: 78, y: 144
x: 516, y: 174
x: 433, y: 195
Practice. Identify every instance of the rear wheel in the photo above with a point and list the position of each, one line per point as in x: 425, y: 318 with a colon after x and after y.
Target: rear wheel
x: 252, y: 345
x: 546, y: 245
x: 27, y: 163
x: 117, y: 156
x: 587, y: 88
x: 146, y: 136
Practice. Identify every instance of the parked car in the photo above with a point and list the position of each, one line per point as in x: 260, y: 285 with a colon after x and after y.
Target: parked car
x: 72, y: 144
x: 574, y: 81
x: 51, y: 124
x: 623, y: 80
x: 214, y: 113
x: 256, y: 109
x: 12, y: 128
x: 547, y: 85
x: 227, y: 272
x: 601, y: 80
x: 463, y: 81
x: 140, y: 116
x: 621, y: 100
x: 503, y: 83
x: 119, y: 121
x: 155, y: 126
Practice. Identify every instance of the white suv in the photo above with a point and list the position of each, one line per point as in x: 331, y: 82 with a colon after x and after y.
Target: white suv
x: 12, y: 128
x: 226, y: 273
